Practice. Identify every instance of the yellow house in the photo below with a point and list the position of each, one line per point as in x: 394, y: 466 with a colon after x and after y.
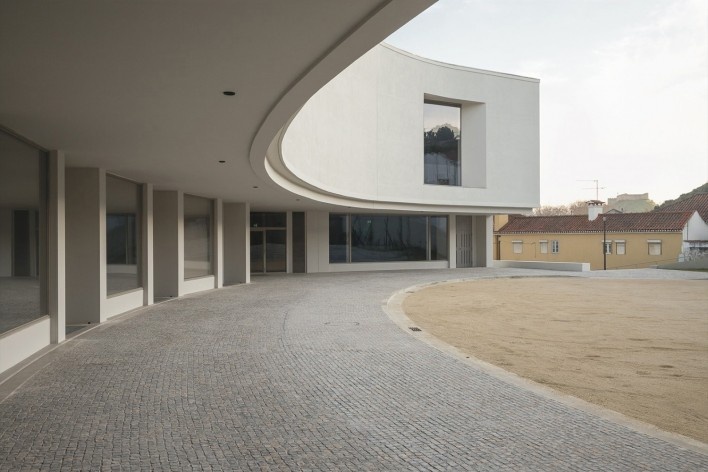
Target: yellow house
x: 621, y: 240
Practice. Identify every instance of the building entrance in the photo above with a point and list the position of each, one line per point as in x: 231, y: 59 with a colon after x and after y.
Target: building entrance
x: 268, y: 242
x: 268, y: 252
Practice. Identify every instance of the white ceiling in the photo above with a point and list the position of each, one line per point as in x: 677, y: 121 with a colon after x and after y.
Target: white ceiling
x: 136, y: 86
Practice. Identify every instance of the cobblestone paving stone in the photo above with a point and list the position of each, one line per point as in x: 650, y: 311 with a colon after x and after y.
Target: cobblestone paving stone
x: 299, y: 372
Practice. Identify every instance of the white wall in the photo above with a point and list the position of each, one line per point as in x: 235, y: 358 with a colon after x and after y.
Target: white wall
x: 20, y: 343
x: 696, y: 229
x: 360, y: 136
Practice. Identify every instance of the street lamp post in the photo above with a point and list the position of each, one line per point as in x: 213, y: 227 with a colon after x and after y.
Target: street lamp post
x: 604, y: 243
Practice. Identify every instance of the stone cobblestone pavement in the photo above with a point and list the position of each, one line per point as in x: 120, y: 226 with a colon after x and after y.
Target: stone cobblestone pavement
x: 299, y: 372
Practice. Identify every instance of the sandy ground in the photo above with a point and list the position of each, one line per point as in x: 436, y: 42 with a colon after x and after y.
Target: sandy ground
x: 639, y: 347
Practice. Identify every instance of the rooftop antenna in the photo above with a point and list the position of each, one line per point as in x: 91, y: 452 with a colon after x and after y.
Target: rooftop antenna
x: 597, y: 187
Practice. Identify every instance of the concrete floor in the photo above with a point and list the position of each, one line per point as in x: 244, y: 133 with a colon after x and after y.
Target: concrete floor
x: 300, y: 372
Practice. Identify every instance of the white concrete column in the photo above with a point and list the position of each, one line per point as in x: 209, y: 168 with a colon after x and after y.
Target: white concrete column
x: 102, y: 262
x: 180, y: 243
x: 56, y: 255
x: 489, y: 242
x: 452, y: 240
x: 236, y: 220
x: 218, y: 243
x: 317, y: 241
x: 168, y: 243
x: 85, y: 244
x: 289, y: 242
x: 148, y: 274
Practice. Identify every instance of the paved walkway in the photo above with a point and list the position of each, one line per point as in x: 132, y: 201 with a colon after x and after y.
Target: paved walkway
x: 298, y: 373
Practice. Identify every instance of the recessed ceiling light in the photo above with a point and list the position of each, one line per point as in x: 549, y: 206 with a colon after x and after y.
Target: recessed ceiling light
x: 229, y: 93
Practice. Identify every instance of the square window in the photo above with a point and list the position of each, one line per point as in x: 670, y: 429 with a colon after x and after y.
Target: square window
x: 441, y: 144
x: 518, y: 246
x: 621, y: 248
x: 654, y: 247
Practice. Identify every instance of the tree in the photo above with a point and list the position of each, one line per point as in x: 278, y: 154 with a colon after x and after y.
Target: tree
x: 445, y: 134
x: 579, y: 207
x: 576, y: 208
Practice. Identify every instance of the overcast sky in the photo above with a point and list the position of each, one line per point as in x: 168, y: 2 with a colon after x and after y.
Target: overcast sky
x: 624, y: 84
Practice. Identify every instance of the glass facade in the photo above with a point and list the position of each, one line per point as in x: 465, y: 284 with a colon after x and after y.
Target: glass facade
x: 383, y: 238
x: 338, y: 238
x: 387, y: 238
x: 198, y: 242
x: 441, y: 144
x: 23, y: 194
x: 268, y: 220
x: 268, y: 242
x: 123, y: 215
x: 438, y: 238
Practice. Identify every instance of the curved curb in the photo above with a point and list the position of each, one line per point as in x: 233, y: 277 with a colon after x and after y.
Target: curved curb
x: 393, y: 307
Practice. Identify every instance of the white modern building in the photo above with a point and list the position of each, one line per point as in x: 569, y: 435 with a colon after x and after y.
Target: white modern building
x: 153, y: 149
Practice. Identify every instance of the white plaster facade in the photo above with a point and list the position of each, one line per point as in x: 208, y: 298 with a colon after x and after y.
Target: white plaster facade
x: 290, y: 140
x: 357, y: 141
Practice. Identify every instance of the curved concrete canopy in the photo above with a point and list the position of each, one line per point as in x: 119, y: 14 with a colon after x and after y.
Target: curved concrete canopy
x: 362, y: 152
x: 136, y: 86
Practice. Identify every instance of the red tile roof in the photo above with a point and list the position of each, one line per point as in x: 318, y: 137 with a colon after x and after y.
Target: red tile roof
x: 616, y: 223
x: 697, y: 203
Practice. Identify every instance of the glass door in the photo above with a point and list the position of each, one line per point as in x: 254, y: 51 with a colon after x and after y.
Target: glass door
x: 257, y: 251
x: 268, y: 250
x: 275, y: 250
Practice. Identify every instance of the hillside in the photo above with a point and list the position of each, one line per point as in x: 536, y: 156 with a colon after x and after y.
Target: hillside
x: 702, y: 189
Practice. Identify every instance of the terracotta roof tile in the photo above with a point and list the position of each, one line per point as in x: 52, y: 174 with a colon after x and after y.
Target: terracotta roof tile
x: 616, y: 223
x: 697, y: 203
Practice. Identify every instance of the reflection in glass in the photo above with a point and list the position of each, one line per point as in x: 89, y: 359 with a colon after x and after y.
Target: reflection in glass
x: 22, y: 232
x: 380, y: 238
x: 275, y: 250
x: 268, y: 220
x: 123, y: 210
x: 338, y: 238
x: 257, y: 251
x: 438, y: 238
x: 385, y: 238
x: 441, y: 143
x: 198, y: 217
x: 299, y: 242
x: 268, y: 250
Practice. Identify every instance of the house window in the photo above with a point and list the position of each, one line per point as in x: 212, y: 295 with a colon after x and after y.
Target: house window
x: 441, y: 144
x: 518, y: 246
x: 544, y: 247
x: 608, y: 247
x: 654, y: 247
x: 555, y: 246
x: 621, y: 248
